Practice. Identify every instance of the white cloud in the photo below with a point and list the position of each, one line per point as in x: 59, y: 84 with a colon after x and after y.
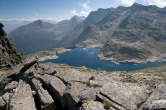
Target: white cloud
x: 127, y: 2
x: 74, y: 12
x: 84, y: 5
x: 159, y: 3
x: 86, y: 9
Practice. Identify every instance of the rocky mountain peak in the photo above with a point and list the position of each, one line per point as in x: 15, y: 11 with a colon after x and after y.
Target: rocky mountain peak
x: 137, y: 6
x: 39, y: 21
x: 2, y: 33
x: 8, y: 53
x: 77, y: 18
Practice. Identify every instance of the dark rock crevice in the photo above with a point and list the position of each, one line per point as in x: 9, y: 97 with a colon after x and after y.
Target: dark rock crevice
x: 103, y: 101
x: 35, y: 95
x: 104, y: 95
x: 5, y: 105
x: 70, y: 103
x: 54, y: 94
x: 64, y: 82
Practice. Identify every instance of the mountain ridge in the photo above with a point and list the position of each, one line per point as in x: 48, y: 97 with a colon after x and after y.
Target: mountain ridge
x: 40, y: 35
x: 120, y: 29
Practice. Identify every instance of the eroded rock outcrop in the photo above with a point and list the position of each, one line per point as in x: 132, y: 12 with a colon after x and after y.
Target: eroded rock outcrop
x: 157, y: 100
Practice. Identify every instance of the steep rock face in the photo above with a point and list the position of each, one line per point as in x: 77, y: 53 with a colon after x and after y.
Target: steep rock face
x: 140, y: 35
x: 82, y: 30
x: 8, y: 52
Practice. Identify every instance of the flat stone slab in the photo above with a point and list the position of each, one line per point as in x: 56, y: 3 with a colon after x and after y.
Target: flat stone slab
x: 22, y: 99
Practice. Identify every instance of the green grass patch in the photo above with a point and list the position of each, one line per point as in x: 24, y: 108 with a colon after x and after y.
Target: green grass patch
x: 129, y: 80
x: 92, y: 78
x: 107, y: 105
x: 3, y: 69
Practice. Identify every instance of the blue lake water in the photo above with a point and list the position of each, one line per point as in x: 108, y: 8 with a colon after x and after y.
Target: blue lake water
x: 88, y: 57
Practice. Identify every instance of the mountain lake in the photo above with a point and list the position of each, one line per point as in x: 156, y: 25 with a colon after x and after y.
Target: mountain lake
x: 88, y: 57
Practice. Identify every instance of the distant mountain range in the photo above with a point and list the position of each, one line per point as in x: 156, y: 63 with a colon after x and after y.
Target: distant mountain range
x: 40, y: 35
x: 125, y: 33
x: 11, y: 25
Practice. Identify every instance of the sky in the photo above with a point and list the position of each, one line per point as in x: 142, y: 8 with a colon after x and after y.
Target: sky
x: 61, y: 9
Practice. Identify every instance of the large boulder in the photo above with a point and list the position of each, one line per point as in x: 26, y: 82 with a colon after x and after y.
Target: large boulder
x: 157, y: 100
x: 45, y: 99
x: 123, y: 96
x: 55, y: 88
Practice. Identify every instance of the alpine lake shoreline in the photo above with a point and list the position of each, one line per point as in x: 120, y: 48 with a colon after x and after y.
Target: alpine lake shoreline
x: 54, y: 54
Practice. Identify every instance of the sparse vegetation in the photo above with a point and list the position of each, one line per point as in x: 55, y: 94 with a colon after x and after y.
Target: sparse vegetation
x: 107, y: 105
x: 139, y: 104
x: 92, y: 78
x: 129, y: 80
x: 87, y: 83
x: 3, y: 69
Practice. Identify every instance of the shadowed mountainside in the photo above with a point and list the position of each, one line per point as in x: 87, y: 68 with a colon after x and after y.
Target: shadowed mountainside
x: 8, y: 53
x: 40, y: 35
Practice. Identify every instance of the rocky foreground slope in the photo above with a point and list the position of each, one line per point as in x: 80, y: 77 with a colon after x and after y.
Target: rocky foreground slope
x: 60, y: 87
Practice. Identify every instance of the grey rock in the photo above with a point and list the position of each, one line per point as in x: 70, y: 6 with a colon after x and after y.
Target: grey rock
x: 77, y: 94
x: 6, y: 97
x: 123, y: 95
x: 45, y: 99
x: 11, y: 86
x: 74, y: 89
x: 2, y: 103
x: 22, y: 99
x: 55, y: 88
x: 54, y: 82
x: 157, y: 99
x: 93, y: 105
